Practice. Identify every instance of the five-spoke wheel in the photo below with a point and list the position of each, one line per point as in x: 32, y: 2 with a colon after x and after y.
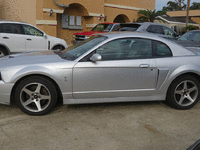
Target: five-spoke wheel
x: 36, y: 95
x: 184, y: 92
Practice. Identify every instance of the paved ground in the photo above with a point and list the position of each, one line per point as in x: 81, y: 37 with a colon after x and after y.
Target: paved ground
x: 118, y: 126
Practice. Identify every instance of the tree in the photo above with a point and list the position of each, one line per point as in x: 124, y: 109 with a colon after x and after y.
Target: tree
x: 149, y: 15
x: 175, y: 6
x: 187, y: 15
x: 195, y: 6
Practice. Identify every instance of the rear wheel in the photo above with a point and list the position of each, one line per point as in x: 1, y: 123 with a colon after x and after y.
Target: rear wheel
x: 59, y: 47
x: 2, y: 52
x: 184, y: 92
x: 36, y: 95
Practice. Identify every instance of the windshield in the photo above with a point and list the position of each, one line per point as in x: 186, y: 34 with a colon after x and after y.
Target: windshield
x: 191, y: 36
x: 74, y: 52
x: 103, y: 27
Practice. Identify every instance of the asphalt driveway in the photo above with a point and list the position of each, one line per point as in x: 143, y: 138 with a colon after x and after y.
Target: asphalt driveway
x: 116, y: 126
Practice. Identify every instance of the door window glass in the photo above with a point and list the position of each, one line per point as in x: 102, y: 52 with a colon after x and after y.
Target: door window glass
x: 130, y: 48
x: 168, y: 32
x: 11, y: 28
x: 155, y: 29
x: 32, y: 31
x: 162, y: 50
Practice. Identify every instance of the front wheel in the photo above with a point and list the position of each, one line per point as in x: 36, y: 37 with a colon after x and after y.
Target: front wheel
x: 36, y: 95
x: 184, y: 92
x: 2, y: 52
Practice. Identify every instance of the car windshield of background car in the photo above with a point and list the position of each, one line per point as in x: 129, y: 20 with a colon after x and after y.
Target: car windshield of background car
x: 74, y: 52
x: 190, y: 36
x: 101, y: 27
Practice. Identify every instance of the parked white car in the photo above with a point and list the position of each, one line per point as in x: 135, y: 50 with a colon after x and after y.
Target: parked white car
x: 18, y: 37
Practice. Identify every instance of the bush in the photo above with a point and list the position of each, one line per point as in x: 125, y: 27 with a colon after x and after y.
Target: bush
x: 191, y: 27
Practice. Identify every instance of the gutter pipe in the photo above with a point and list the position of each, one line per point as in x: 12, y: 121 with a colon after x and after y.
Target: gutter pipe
x: 65, y: 6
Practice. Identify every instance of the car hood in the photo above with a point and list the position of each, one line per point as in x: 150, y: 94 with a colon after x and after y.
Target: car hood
x: 88, y: 33
x: 195, y: 50
x: 32, y: 58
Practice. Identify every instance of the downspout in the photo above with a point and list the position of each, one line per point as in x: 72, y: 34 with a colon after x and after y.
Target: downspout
x: 60, y: 5
x: 64, y: 6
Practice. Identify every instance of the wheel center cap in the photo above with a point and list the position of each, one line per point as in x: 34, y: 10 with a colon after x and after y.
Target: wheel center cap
x: 35, y: 96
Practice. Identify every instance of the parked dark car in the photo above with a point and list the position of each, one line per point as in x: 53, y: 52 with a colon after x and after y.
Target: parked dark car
x: 190, y: 39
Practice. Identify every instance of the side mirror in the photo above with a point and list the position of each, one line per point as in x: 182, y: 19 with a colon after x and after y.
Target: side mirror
x: 177, y: 35
x: 195, y: 146
x: 96, y: 57
x: 45, y: 36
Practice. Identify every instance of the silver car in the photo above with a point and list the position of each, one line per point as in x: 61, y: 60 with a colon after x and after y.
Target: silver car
x: 113, y: 67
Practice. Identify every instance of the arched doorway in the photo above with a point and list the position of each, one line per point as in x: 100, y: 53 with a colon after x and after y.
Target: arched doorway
x: 121, y: 19
x: 72, y: 20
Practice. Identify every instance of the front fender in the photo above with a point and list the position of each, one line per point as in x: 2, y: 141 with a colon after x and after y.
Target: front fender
x: 62, y: 77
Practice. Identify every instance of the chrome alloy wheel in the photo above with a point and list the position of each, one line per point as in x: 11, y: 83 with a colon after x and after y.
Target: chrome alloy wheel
x: 35, y: 97
x: 186, y: 93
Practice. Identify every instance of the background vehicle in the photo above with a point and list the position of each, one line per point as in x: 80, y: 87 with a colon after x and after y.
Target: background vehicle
x: 155, y: 28
x: 18, y: 37
x: 190, y: 39
x: 99, y: 28
x: 112, y: 67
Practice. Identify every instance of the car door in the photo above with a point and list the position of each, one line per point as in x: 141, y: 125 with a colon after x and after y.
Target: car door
x: 127, y: 69
x: 35, y: 39
x: 13, y: 37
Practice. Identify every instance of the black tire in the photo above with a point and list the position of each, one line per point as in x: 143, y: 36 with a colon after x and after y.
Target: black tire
x: 36, y: 95
x: 59, y: 47
x: 184, y: 92
x: 3, y: 52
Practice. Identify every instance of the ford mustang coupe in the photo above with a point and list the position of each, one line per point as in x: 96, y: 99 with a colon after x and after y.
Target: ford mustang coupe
x: 112, y: 67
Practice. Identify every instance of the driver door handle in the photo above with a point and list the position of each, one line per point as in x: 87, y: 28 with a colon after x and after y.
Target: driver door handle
x: 144, y: 65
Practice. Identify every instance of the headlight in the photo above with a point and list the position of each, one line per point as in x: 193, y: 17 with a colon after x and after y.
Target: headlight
x: 87, y: 37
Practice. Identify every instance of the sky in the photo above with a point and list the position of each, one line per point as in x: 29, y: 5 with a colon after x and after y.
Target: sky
x: 161, y: 3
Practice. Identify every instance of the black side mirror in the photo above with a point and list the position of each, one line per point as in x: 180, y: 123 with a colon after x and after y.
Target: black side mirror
x: 195, y: 146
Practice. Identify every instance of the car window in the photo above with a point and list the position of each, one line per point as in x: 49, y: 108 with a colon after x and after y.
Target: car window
x: 155, y: 29
x: 11, y: 28
x: 29, y: 30
x: 75, y: 51
x: 191, y: 36
x: 126, y: 48
x: 161, y: 50
x: 197, y: 36
x: 168, y: 32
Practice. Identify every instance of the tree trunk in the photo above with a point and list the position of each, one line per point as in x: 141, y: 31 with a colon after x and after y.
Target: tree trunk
x: 187, y: 15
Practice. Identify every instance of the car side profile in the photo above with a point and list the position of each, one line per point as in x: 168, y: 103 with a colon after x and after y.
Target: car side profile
x: 18, y: 37
x: 150, y: 27
x: 112, y: 67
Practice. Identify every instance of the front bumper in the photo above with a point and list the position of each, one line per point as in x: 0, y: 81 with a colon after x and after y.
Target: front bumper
x: 5, y: 92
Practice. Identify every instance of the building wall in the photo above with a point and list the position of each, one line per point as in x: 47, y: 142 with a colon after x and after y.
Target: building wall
x: 37, y: 12
x: 18, y: 10
x: 194, y: 14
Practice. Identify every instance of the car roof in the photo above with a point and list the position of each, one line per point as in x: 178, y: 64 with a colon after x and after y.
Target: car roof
x: 127, y: 33
x: 12, y: 21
